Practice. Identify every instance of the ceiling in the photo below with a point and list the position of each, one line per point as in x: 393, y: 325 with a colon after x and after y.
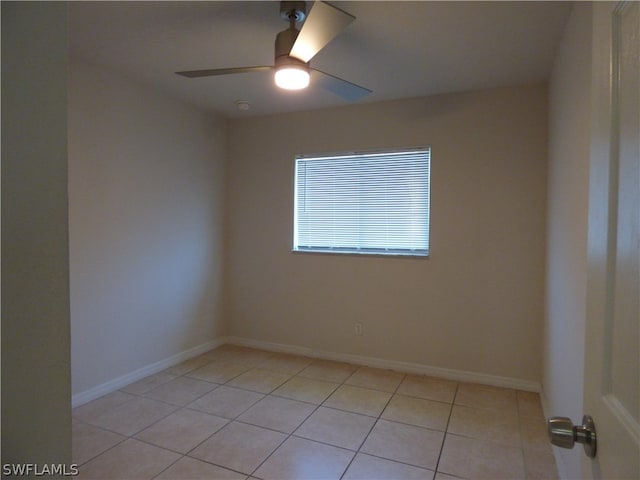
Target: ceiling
x: 397, y: 49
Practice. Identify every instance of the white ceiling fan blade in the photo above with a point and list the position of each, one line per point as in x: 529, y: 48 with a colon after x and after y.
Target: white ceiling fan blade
x: 347, y: 90
x: 221, y: 71
x: 322, y: 25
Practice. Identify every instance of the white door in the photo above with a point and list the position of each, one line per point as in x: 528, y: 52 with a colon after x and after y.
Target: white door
x: 612, y: 353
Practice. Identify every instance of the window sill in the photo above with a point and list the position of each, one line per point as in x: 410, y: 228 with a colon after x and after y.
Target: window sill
x: 353, y: 253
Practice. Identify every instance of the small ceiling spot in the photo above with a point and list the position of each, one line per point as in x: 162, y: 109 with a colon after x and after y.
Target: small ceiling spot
x: 242, y: 105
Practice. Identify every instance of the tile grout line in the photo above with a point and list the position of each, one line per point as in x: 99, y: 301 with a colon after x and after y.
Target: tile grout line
x: 229, y: 421
x: 373, y: 426
x: 225, y: 425
x: 228, y: 357
x: 251, y: 367
x: 142, y: 394
x: 338, y: 385
x: 170, y: 465
x: 446, y: 430
x: 317, y: 406
x: 234, y: 419
x: 288, y: 435
x: 132, y: 436
x: 101, y: 453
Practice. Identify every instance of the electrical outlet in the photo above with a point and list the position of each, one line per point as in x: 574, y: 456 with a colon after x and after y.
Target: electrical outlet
x: 357, y: 328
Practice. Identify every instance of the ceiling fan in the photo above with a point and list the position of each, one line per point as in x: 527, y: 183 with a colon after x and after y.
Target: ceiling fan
x: 295, y: 48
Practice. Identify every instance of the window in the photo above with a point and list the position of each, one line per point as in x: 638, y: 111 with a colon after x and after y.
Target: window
x: 368, y: 203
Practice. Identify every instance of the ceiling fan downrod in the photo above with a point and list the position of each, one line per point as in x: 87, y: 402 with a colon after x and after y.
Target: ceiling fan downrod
x: 293, y: 12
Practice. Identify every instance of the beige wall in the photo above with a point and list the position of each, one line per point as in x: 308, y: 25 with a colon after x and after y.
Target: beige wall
x: 566, y: 281
x: 36, y: 401
x: 475, y: 305
x: 146, y: 191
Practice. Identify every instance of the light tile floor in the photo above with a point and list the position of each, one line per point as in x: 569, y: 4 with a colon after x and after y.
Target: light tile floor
x: 241, y: 413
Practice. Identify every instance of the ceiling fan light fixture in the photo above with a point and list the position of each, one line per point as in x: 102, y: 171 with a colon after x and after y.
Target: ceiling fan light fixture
x: 295, y: 48
x: 292, y: 77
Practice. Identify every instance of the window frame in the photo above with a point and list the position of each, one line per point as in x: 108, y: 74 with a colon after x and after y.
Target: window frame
x: 418, y: 253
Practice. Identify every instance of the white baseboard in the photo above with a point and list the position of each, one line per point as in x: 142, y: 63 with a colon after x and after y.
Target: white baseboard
x: 113, y: 385
x: 405, y: 367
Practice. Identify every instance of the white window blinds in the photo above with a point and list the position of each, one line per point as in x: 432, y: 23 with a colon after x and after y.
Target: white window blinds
x: 374, y: 202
